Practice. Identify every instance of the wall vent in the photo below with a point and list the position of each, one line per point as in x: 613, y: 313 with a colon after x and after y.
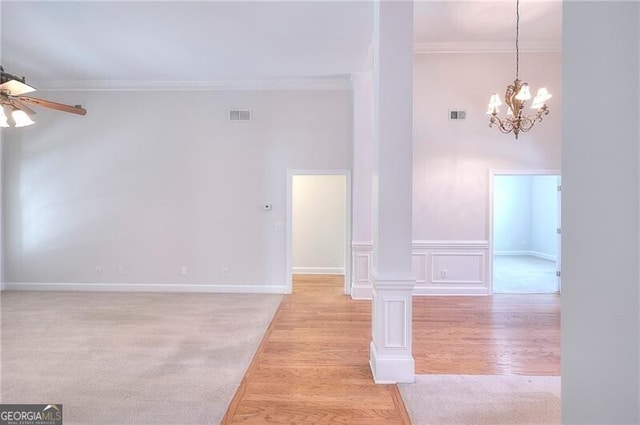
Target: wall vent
x: 240, y: 115
x: 457, y: 115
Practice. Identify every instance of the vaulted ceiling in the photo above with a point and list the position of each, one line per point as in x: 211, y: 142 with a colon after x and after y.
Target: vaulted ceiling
x: 125, y: 43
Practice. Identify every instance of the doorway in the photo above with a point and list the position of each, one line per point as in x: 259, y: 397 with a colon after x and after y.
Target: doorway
x: 319, y: 225
x: 525, y: 232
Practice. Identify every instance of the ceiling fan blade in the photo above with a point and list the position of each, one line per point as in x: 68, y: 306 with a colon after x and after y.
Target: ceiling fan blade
x: 19, y: 105
x: 16, y: 88
x: 77, y: 109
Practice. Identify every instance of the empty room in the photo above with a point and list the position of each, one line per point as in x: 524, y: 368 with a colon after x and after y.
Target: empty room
x: 320, y: 212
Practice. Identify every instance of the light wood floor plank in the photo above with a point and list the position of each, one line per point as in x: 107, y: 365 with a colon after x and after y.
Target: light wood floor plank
x: 496, y: 335
x: 312, y: 366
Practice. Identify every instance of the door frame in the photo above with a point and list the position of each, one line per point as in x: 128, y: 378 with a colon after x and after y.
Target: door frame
x: 289, y: 219
x: 496, y: 173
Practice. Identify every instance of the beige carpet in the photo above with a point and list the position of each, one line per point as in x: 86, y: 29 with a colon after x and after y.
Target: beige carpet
x: 130, y: 358
x: 483, y: 400
x: 524, y: 274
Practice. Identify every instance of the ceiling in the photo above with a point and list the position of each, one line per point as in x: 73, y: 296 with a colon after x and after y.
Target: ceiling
x: 76, y: 44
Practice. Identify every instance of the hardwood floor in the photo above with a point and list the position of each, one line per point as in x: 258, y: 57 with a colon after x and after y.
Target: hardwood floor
x: 312, y: 366
x: 496, y: 335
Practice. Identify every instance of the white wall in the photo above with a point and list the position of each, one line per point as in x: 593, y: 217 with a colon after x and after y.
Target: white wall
x: 544, y: 216
x: 512, y: 214
x: 319, y: 214
x: 362, y: 184
x: 452, y: 159
x: 363, y: 157
x: 525, y: 215
x: 156, y: 181
x: 600, y: 213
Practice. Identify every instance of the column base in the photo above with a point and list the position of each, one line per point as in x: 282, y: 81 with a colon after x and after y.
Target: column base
x: 391, y: 369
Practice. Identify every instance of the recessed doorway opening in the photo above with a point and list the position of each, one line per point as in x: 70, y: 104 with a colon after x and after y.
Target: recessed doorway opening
x: 525, y: 232
x: 319, y: 226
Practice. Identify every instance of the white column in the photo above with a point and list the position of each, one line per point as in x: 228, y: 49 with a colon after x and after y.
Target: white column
x: 362, y: 239
x: 390, y: 355
x: 600, y: 213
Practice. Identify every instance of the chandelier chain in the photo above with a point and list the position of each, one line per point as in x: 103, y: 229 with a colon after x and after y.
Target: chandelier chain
x: 517, y: 38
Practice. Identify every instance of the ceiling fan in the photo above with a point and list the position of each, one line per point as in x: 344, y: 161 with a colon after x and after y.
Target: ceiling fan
x: 14, y: 101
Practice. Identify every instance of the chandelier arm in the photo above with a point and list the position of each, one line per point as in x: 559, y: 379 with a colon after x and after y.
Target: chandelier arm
x: 505, y: 126
x: 527, y: 122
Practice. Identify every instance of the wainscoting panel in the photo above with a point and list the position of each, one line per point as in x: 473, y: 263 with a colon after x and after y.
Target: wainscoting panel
x: 361, y: 284
x: 451, y: 267
x: 395, y: 336
x: 419, y: 262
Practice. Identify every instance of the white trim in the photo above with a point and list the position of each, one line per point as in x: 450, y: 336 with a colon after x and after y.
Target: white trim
x: 317, y: 270
x: 485, y: 47
x: 289, y: 214
x: 512, y: 253
x: 449, y: 291
x: 145, y: 287
x: 459, y: 244
x: 534, y: 172
x: 391, y: 369
x: 481, y: 273
x: 312, y: 83
x: 361, y: 293
x: 537, y: 254
x: 424, y: 253
x: 361, y: 281
x: 544, y: 256
x: 362, y: 246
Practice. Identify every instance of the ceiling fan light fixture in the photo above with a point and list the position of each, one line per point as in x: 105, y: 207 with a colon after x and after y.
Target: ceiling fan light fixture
x: 13, y: 102
x: 21, y: 118
x: 3, y: 117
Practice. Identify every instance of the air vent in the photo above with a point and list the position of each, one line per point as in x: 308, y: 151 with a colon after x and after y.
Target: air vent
x: 457, y: 115
x: 240, y: 115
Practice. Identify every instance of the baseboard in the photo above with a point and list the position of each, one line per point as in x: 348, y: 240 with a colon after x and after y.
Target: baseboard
x: 512, y: 252
x: 391, y: 369
x: 362, y: 292
x: 145, y: 287
x: 317, y: 270
x: 536, y: 254
x: 544, y: 256
x: 423, y: 290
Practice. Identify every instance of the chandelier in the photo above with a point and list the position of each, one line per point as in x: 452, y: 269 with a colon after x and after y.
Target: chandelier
x: 515, y: 97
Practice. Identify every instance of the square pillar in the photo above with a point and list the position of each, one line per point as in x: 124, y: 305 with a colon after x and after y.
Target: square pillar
x: 391, y: 359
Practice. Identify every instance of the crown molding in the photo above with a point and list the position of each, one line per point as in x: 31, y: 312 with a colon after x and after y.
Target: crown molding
x: 311, y: 83
x: 485, y: 47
